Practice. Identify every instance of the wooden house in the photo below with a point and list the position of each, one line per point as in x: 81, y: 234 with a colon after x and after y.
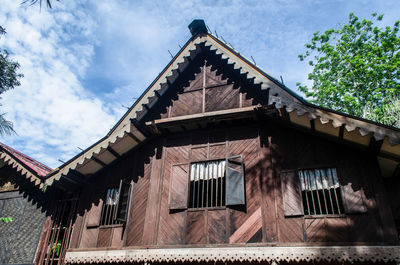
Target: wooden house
x: 218, y: 162
x: 23, y: 203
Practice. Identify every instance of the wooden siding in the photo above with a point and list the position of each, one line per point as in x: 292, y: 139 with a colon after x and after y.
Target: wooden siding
x: 267, y: 149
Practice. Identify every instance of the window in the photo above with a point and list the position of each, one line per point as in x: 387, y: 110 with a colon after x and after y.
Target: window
x: 206, y: 184
x: 320, y: 191
x: 115, y: 206
x: 110, y: 207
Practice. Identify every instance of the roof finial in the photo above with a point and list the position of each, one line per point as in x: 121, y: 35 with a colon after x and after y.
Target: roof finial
x: 197, y: 26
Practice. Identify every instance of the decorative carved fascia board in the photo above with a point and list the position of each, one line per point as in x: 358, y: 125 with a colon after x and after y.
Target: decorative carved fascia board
x: 9, y: 160
x: 232, y: 254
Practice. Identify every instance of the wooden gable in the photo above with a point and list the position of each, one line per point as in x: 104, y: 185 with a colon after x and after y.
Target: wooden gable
x: 209, y: 84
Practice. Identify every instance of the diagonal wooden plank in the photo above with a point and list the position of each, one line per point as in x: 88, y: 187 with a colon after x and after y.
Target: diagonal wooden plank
x: 248, y: 228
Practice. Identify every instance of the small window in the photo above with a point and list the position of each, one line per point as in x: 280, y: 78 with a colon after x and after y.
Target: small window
x: 110, y: 207
x: 321, y: 191
x: 207, y: 184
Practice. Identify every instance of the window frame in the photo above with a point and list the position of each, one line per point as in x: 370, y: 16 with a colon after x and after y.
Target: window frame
x: 114, y: 213
x: 341, y: 210
x: 177, y: 202
x: 193, y: 209
x: 352, y: 200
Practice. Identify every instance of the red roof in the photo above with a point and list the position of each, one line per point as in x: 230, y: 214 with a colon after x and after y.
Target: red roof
x: 30, y: 163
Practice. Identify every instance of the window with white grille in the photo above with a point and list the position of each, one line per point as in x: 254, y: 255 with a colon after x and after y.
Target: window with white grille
x: 321, y: 191
x: 207, y: 184
x: 110, y: 207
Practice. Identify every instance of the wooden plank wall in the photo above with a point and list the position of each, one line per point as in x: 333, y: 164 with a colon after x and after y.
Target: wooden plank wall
x: 267, y: 149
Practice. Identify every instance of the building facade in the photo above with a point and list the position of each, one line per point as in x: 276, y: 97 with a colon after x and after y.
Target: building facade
x: 218, y: 161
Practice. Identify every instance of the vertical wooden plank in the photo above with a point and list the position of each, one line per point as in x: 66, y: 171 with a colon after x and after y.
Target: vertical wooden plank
x: 178, y: 195
x: 216, y: 227
x: 284, y: 157
x: 94, y: 212
x: 389, y: 232
x: 135, y: 226
x: 195, y: 228
x: 292, y: 200
x: 104, y: 237
x: 89, y: 237
x: 117, y: 240
x: 244, y: 142
x: 91, y: 230
x: 268, y: 187
x: 152, y: 202
x: 171, y: 228
x: 74, y: 243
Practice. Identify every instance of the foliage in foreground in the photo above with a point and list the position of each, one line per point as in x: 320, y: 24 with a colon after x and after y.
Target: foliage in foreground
x: 355, y: 68
x: 9, y: 78
x: 6, y: 219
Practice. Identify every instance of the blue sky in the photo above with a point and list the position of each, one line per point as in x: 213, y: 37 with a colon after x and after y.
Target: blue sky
x: 85, y: 61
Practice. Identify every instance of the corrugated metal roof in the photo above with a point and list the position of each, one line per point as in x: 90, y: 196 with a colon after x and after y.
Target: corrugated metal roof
x: 29, y: 163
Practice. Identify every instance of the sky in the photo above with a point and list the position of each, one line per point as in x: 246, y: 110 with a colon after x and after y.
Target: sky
x: 85, y: 62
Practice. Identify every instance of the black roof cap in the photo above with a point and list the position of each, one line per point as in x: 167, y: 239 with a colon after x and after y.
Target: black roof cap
x: 197, y: 26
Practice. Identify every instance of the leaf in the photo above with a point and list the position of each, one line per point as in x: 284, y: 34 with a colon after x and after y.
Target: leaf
x: 354, y: 65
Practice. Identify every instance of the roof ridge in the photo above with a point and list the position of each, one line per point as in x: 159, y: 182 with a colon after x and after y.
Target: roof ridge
x: 20, y: 156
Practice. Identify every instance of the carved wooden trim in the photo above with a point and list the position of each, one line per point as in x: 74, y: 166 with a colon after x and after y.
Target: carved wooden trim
x: 231, y: 254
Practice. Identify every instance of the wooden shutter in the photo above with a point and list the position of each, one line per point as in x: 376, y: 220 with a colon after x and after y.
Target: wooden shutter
x: 121, y: 213
x: 93, y: 215
x: 178, y: 191
x: 291, y: 193
x: 353, y: 201
x: 235, y: 193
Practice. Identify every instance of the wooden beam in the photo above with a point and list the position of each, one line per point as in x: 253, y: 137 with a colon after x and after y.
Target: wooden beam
x: 389, y: 156
x: 312, y: 125
x: 133, y: 137
x: 341, y: 131
x: 375, y: 146
x: 70, y: 180
x: 98, y: 161
x: 283, y: 113
x: 220, y: 114
x: 145, y: 106
x: 113, y: 152
x: 139, y: 126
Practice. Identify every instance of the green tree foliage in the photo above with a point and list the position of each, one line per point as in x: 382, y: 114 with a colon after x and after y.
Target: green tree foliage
x: 354, y: 66
x: 388, y: 113
x: 9, y: 78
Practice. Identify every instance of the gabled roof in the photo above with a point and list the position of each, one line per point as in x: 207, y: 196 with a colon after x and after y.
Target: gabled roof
x: 32, y: 169
x: 126, y: 134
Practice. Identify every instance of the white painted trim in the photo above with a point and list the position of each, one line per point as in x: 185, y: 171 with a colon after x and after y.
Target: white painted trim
x: 229, y: 254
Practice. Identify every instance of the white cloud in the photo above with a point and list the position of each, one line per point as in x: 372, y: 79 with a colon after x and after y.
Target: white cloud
x: 52, y: 112
x: 84, y: 61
